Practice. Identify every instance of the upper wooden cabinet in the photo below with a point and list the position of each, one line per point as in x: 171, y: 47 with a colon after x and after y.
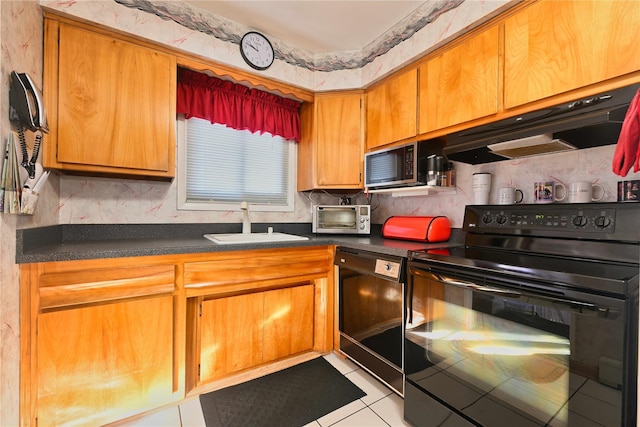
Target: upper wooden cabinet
x: 110, y: 103
x: 392, y: 109
x: 461, y: 84
x: 555, y: 46
x: 330, y: 154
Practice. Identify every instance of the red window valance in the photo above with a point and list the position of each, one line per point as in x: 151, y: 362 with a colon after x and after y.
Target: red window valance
x: 236, y: 106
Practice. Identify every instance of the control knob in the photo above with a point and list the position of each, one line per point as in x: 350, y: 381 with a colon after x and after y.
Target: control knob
x: 486, y: 218
x: 602, y: 221
x: 501, y: 219
x: 580, y: 221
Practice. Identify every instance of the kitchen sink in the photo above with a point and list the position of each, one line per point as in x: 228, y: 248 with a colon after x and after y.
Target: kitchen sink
x: 238, y: 238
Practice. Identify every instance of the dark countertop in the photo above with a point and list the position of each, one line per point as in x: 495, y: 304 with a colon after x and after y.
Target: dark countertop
x: 80, y: 242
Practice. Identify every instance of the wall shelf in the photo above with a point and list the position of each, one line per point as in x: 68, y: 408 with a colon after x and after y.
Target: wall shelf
x: 422, y: 190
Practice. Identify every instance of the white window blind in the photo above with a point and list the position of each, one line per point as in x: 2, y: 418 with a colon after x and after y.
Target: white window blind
x: 223, y: 167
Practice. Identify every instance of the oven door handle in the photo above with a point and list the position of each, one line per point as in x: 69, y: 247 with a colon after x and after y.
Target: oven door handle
x: 472, y: 286
x: 575, y: 305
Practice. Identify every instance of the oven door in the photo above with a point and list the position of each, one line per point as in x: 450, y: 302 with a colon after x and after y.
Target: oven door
x: 370, y: 315
x: 499, y: 353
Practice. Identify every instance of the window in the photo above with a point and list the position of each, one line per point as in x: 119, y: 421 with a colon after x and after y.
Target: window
x: 219, y: 167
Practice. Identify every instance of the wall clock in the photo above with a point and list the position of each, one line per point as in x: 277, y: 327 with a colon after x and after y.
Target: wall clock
x: 256, y: 50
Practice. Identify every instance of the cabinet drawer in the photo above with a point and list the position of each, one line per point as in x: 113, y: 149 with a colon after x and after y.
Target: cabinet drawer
x: 64, y: 288
x: 247, y: 270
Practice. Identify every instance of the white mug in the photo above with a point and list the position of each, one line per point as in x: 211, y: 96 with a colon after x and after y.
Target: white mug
x: 585, y: 192
x: 510, y: 195
x: 549, y: 192
x: 481, y: 187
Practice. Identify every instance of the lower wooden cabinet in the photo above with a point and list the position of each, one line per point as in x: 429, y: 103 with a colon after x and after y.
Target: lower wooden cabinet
x: 97, y: 340
x: 101, y: 363
x: 107, y: 339
x: 231, y: 335
x: 240, y: 332
x: 250, y: 308
x: 288, y: 322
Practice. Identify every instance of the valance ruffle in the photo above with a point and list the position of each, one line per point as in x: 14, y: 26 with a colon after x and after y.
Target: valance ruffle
x: 236, y: 106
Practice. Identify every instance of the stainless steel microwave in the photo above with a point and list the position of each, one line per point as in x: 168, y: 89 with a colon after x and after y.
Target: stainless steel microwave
x: 398, y: 166
x: 342, y: 219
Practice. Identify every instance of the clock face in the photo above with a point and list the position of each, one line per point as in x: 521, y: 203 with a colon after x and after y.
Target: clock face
x: 256, y: 50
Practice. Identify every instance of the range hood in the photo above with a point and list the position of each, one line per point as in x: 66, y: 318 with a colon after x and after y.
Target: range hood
x: 584, y: 123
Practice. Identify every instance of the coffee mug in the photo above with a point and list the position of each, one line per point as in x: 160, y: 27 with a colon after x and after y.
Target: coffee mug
x: 585, y: 192
x: 510, y: 195
x: 481, y: 187
x: 549, y: 192
x: 629, y: 191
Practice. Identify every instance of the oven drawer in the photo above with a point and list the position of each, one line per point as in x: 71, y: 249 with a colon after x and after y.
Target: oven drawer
x: 422, y: 410
x: 373, y: 362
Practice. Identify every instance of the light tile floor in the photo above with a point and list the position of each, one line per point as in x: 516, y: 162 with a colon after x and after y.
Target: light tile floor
x: 380, y: 407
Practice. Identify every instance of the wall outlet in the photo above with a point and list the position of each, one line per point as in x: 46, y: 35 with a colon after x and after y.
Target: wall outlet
x: 345, y: 200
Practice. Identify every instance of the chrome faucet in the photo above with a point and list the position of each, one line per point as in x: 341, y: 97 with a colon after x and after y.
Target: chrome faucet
x: 246, y: 222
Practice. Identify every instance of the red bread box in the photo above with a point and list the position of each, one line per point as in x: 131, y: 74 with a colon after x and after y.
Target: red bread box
x: 419, y: 228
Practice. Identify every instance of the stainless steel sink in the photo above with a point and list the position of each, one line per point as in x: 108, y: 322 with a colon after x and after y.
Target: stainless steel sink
x: 238, y: 238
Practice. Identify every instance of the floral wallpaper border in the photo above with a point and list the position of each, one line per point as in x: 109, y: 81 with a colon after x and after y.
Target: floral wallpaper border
x: 229, y: 31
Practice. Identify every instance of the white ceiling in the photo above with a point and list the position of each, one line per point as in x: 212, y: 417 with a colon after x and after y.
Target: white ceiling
x: 316, y: 26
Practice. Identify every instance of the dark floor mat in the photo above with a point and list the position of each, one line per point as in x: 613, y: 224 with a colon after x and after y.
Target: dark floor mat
x: 292, y: 397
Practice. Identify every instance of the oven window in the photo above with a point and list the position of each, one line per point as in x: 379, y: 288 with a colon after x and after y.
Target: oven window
x: 512, y: 358
x: 371, y: 313
x: 340, y: 218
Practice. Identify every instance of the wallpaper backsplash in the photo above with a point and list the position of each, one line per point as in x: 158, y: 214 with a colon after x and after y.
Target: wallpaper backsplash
x: 102, y: 200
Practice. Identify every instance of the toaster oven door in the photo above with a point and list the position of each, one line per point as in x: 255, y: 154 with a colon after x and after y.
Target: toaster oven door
x: 335, y: 219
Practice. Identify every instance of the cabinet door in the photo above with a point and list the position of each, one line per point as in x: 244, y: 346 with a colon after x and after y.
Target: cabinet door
x: 288, y: 322
x: 392, y: 109
x: 116, y: 104
x: 461, y: 84
x: 231, y: 335
x: 556, y: 46
x: 339, y: 142
x: 101, y: 363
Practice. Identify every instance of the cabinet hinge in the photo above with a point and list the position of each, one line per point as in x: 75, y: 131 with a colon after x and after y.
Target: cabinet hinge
x: 198, y: 371
x: 200, y: 310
